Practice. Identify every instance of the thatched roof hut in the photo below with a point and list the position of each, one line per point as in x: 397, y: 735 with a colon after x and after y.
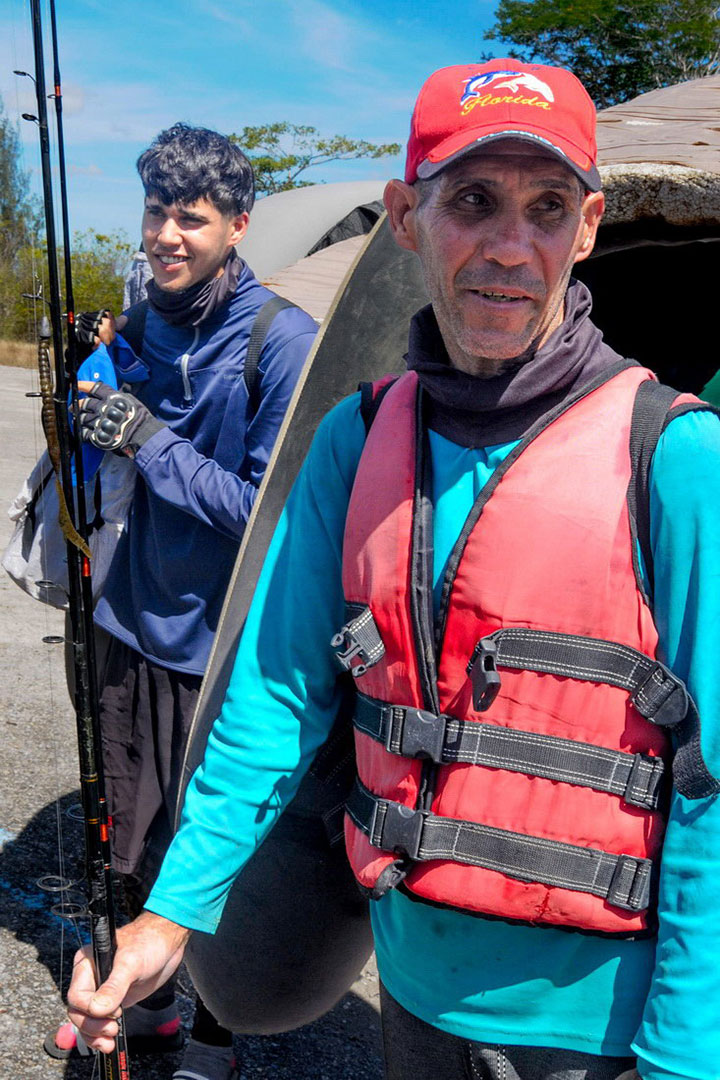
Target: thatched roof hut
x: 654, y: 273
x: 660, y: 159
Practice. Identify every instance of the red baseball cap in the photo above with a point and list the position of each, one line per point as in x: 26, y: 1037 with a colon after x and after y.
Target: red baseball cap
x: 461, y: 108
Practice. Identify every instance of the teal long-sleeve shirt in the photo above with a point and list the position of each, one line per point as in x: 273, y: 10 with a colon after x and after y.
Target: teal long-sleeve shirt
x: 475, y: 978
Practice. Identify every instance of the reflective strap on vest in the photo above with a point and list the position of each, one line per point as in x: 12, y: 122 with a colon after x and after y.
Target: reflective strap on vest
x: 415, y: 733
x: 656, y: 693
x: 359, y: 639
x: 623, y: 880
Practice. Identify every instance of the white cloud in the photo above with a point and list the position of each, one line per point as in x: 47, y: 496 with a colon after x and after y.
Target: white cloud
x: 85, y: 170
x: 117, y: 112
x: 338, y: 65
x: 223, y: 15
x: 327, y: 37
x: 73, y: 99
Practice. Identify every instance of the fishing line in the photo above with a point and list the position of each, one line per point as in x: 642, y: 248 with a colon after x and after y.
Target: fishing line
x: 64, y: 449
x: 72, y: 905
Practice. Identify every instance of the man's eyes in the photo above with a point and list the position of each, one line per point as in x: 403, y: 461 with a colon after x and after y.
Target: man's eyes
x: 474, y: 198
x: 185, y: 221
x: 550, y: 204
x: 479, y: 200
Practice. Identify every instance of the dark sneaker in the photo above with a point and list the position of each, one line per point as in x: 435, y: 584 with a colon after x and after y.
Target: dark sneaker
x: 203, y: 1062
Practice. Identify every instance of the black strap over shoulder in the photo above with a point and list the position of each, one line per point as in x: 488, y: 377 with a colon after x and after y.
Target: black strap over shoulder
x: 134, y: 332
x: 263, y: 322
x: 370, y: 402
x: 134, y: 329
x: 652, y: 403
x: 652, y: 413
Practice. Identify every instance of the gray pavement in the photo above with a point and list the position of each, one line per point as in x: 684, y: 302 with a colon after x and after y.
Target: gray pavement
x: 41, y: 837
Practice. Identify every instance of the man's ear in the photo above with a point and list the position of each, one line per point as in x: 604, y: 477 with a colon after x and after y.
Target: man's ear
x: 239, y: 227
x: 592, y: 211
x: 401, y: 202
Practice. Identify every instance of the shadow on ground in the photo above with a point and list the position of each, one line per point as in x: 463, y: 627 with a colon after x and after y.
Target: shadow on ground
x: 344, y: 1045
x: 34, y: 856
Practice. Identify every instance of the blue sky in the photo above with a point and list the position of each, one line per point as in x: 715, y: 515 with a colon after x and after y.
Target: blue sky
x: 128, y: 70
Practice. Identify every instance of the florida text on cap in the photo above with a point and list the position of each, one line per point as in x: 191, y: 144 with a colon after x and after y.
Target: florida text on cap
x: 461, y: 108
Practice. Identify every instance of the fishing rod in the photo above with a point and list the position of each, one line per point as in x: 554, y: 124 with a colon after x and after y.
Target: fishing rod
x: 65, y: 451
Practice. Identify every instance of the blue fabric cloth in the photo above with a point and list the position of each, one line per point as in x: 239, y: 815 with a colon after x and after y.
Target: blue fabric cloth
x: 98, y: 367
x: 198, y: 476
x: 475, y: 978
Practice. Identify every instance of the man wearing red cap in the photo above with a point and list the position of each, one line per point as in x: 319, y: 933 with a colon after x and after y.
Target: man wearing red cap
x: 524, y: 594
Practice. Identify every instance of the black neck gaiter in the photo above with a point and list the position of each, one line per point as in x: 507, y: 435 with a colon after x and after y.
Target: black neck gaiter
x: 483, y: 412
x: 192, y: 306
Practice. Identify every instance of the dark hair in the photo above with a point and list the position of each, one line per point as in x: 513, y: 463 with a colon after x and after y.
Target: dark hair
x: 184, y: 164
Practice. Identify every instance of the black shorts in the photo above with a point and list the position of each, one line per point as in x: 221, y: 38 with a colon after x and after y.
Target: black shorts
x: 145, y: 715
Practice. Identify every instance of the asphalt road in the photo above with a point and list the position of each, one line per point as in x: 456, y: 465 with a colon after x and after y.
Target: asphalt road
x: 41, y: 838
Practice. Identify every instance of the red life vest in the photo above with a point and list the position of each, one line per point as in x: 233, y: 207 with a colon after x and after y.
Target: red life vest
x: 543, y: 804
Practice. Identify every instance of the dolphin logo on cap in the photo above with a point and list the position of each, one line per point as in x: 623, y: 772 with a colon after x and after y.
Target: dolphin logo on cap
x: 513, y: 80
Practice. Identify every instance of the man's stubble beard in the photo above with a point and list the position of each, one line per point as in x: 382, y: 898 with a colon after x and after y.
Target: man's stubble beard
x: 452, y: 329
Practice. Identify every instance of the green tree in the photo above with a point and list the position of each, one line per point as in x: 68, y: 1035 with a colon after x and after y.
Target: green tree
x: 99, y: 261
x: 20, y: 218
x: 281, y: 152
x: 618, y: 48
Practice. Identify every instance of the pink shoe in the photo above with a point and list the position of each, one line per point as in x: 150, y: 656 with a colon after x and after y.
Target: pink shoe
x: 145, y: 1036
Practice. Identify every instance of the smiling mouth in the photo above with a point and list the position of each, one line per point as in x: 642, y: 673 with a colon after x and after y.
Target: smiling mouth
x: 499, y: 297
x: 171, y: 260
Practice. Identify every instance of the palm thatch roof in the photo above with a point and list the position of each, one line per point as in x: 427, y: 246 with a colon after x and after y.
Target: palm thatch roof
x: 659, y: 157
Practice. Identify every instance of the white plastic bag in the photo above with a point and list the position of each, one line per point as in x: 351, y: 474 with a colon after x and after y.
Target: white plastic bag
x: 37, y: 551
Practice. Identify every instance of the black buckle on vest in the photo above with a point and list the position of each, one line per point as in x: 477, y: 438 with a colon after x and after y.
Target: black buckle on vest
x: 662, y: 698
x: 359, y: 637
x: 422, y: 734
x: 645, y: 782
x: 630, y: 884
x: 402, y: 830
x: 482, y: 669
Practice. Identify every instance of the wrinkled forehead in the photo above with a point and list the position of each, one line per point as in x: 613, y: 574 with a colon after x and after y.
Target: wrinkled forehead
x: 501, y: 153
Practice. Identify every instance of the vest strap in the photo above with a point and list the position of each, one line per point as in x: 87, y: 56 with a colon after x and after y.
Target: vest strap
x: 359, y: 639
x: 445, y: 740
x: 623, y: 880
x: 656, y: 693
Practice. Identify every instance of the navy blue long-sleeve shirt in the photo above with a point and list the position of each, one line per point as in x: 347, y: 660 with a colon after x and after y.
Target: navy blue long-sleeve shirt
x: 197, y: 478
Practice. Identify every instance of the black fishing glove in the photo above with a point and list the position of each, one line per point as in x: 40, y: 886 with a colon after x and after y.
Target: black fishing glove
x: 87, y: 326
x: 114, y: 420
